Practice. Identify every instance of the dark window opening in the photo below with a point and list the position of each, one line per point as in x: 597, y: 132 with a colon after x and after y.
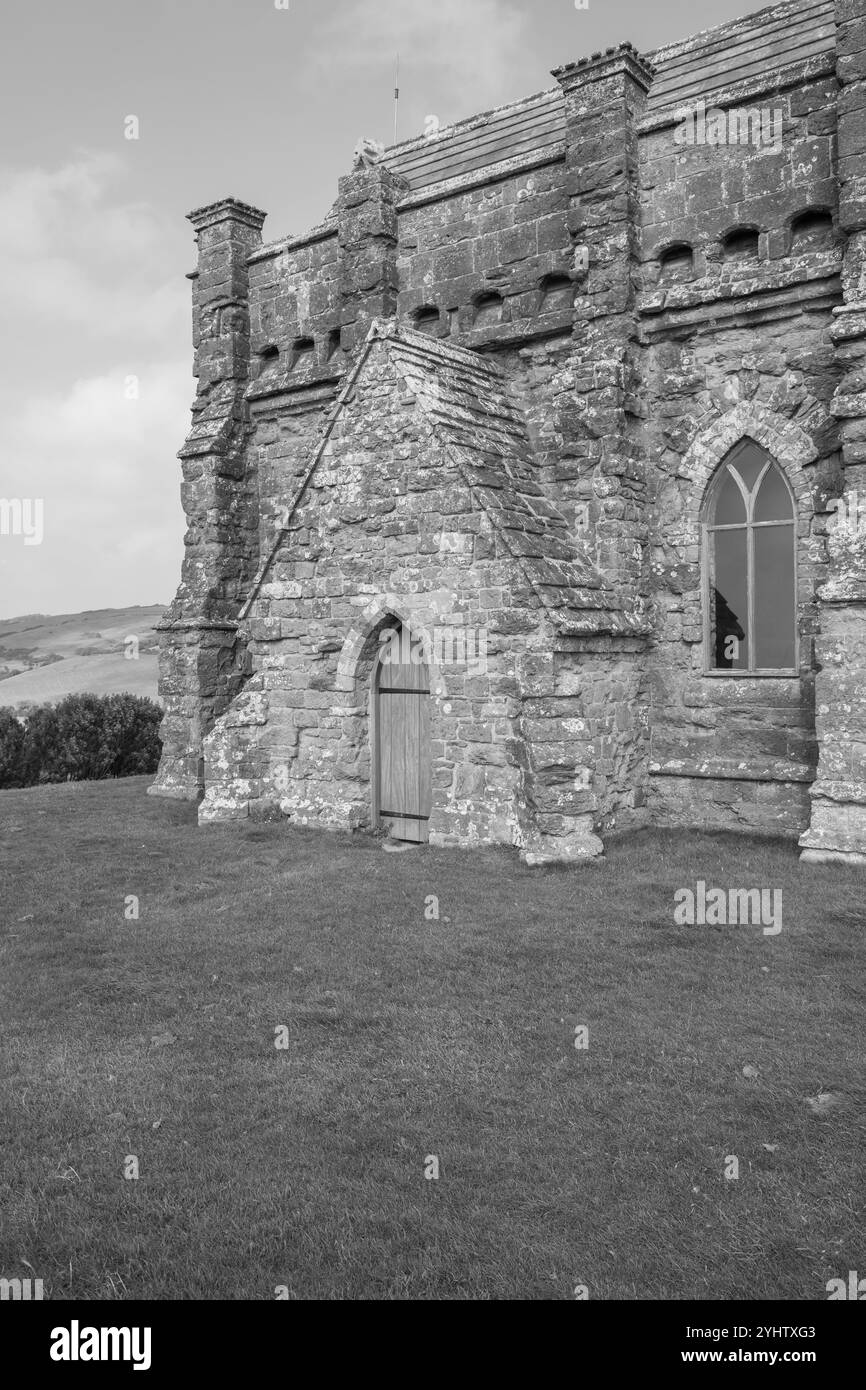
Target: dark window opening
x: 557, y: 294
x: 303, y: 353
x: 750, y: 565
x: 426, y: 319
x: 488, y: 310
x: 812, y: 231
x: 334, y: 339
x: 676, y: 264
x: 269, y: 358
x: 742, y: 245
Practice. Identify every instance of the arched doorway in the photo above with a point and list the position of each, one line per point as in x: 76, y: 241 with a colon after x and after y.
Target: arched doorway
x: 402, y: 786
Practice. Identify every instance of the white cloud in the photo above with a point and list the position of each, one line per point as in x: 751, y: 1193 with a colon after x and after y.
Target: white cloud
x: 92, y: 295
x: 72, y: 253
x: 106, y: 469
x: 42, y: 210
x: 462, y: 54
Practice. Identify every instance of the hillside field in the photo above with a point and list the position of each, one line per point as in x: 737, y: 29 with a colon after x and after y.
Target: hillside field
x: 43, y: 658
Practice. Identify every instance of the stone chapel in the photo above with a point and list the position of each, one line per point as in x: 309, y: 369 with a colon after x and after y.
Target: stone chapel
x: 526, y: 494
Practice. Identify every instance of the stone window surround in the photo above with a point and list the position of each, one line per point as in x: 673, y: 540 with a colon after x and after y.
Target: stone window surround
x: 791, y: 448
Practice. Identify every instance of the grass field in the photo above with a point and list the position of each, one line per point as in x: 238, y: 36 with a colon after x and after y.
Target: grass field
x: 409, y: 1037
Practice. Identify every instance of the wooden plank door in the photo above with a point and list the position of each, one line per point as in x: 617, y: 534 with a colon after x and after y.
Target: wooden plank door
x: 403, y: 746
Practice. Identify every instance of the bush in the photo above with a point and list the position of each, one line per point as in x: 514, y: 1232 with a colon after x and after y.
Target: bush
x: 11, y: 750
x: 41, y: 746
x: 132, y: 731
x: 83, y: 738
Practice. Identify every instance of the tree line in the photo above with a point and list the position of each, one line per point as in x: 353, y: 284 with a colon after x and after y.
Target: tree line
x: 80, y: 739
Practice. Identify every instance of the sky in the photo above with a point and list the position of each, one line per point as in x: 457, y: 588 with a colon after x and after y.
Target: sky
x: 260, y: 99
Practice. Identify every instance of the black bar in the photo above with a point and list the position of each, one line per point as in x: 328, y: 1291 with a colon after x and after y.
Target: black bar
x: 215, y: 1338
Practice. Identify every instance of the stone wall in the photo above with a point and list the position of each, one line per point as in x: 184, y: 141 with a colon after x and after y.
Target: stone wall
x: 294, y: 298
x: 507, y: 238
x: 496, y: 263
x: 584, y: 729
x: 838, y: 824
x: 735, y: 334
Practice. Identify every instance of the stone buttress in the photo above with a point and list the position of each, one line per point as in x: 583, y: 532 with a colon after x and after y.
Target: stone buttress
x: 202, y: 661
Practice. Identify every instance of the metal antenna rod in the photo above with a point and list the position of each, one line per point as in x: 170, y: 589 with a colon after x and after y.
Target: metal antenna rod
x: 396, y: 95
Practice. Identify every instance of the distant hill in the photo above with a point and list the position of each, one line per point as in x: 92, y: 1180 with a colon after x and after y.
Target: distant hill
x: 43, y: 658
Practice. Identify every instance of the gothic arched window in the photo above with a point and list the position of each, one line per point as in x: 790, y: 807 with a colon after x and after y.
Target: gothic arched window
x: 750, y: 566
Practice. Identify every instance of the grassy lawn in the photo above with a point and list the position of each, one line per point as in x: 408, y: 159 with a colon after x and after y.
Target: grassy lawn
x: 407, y: 1037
